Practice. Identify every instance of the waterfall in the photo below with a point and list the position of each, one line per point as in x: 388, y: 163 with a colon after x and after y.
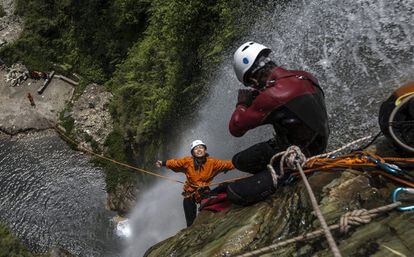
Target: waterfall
x: 360, y: 51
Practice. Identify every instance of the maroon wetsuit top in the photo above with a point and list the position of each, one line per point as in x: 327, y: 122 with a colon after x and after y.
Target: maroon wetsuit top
x: 287, y: 95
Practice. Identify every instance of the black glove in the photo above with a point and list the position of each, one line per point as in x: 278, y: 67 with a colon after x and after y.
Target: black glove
x: 246, y: 97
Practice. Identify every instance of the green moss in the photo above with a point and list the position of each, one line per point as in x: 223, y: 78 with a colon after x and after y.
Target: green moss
x: 116, y: 174
x: 66, y: 120
x: 11, y: 247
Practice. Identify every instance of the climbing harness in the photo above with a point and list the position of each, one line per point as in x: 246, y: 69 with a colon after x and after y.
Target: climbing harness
x: 316, y: 163
x: 86, y: 150
x: 399, y: 190
x: 294, y: 159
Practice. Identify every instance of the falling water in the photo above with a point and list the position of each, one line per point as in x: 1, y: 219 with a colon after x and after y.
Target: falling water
x: 360, y: 51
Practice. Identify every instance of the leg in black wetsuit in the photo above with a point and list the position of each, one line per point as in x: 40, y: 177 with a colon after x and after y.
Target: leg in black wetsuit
x: 190, y: 210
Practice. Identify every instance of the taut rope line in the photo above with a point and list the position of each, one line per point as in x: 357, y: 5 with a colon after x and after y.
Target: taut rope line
x: 84, y: 149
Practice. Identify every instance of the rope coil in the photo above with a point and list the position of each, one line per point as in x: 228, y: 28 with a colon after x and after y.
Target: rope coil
x: 293, y: 159
x: 373, y: 213
x: 357, y: 217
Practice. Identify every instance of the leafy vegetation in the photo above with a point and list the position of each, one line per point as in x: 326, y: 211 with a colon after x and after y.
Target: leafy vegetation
x: 11, y: 247
x: 86, y: 37
x: 150, y: 54
x: 161, y: 78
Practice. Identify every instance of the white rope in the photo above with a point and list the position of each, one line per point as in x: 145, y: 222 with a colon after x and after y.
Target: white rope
x: 373, y: 213
x: 294, y: 159
x: 340, y: 149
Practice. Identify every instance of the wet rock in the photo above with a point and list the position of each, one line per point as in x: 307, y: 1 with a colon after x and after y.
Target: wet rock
x: 123, y: 198
x: 288, y: 213
x: 92, y: 119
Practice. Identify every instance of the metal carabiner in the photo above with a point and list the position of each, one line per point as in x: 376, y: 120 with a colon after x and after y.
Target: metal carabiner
x: 390, y: 168
x: 407, y: 190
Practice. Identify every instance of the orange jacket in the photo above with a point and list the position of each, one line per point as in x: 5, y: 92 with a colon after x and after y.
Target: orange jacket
x: 201, y: 176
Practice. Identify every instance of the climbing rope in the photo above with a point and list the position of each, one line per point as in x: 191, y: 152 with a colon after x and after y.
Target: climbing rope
x: 316, y: 161
x: 353, y: 143
x: 367, y: 162
x: 295, y: 159
x: 86, y: 150
x: 356, y: 218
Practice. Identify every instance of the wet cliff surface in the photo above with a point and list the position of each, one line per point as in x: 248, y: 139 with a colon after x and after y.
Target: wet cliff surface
x: 288, y: 213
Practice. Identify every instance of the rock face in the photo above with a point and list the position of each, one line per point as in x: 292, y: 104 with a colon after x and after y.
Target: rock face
x: 17, y: 74
x: 10, y: 24
x: 123, y: 198
x: 91, y: 116
x: 17, y: 114
x: 288, y: 213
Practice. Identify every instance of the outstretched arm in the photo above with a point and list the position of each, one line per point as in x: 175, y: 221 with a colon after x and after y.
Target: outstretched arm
x: 222, y: 165
x: 177, y: 165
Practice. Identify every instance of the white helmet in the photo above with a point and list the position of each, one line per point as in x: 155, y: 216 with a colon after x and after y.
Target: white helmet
x: 196, y: 143
x: 245, y: 56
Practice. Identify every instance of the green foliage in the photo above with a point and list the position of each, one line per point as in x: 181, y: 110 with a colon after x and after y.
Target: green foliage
x: 160, y: 80
x: 118, y: 150
x: 151, y: 53
x: 86, y: 37
x: 11, y: 247
x: 65, y: 120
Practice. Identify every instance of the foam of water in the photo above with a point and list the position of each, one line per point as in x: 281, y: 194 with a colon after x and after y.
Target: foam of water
x: 359, y: 50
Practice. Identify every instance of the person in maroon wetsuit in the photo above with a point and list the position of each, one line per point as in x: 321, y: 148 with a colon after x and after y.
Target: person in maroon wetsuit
x: 290, y: 100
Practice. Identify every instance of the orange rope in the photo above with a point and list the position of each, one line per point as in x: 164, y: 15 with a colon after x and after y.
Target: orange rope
x: 352, y: 160
x: 114, y: 161
x: 136, y: 168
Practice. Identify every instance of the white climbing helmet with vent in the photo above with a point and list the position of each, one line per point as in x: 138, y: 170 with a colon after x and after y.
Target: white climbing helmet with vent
x: 245, y: 56
x: 196, y: 143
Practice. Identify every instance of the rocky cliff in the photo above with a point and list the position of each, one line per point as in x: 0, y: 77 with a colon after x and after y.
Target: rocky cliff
x: 288, y: 213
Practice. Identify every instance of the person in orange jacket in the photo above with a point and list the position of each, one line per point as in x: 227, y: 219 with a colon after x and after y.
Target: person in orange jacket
x: 200, y: 169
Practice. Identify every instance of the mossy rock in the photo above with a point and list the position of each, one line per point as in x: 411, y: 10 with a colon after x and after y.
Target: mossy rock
x: 288, y: 213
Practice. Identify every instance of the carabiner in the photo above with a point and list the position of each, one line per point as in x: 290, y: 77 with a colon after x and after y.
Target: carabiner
x: 407, y: 190
x: 390, y: 168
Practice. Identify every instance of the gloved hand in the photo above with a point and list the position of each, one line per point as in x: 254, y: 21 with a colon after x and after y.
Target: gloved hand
x: 158, y: 164
x: 246, y: 97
